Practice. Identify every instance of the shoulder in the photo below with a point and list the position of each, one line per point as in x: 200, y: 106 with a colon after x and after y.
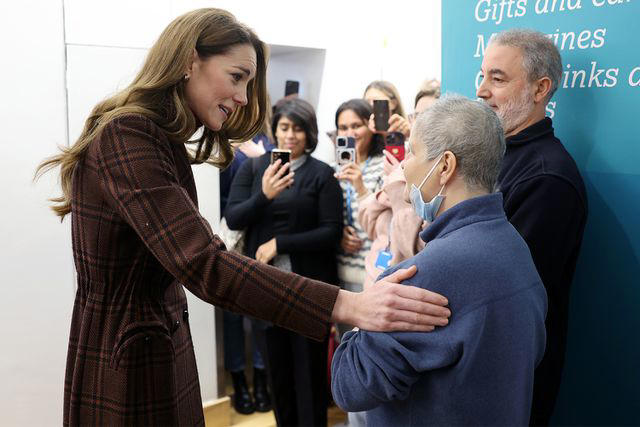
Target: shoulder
x: 135, y: 124
x: 321, y: 167
x: 131, y: 135
x: 545, y: 163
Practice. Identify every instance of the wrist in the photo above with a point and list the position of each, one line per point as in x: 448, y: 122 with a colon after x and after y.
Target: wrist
x: 343, y: 308
x: 266, y: 195
x: 361, y: 190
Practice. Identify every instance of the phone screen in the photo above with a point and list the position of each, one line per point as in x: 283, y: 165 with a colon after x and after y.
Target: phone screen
x: 381, y: 114
x: 283, y: 155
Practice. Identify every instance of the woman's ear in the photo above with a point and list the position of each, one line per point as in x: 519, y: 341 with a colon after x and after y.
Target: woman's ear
x: 449, y: 166
x: 194, y: 58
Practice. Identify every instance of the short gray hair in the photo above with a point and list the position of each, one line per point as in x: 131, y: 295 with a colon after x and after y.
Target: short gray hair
x: 469, y: 129
x: 540, y: 56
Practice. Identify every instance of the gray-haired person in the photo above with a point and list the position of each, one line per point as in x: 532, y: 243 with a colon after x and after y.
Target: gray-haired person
x: 479, y: 369
x: 544, y: 196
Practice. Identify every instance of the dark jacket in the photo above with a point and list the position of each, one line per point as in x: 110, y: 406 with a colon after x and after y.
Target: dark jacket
x: 137, y: 239
x: 545, y: 200
x: 306, y: 219
x: 478, y: 370
x: 227, y: 175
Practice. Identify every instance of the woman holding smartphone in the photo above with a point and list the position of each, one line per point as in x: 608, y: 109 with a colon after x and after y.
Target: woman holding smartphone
x: 294, y: 224
x: 382, y: 90
x: 358, y: 179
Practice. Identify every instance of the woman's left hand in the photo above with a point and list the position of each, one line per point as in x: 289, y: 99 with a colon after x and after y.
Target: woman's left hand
x: 390, y: 162
x: 397, y: 123
x: 390, y: 306
x: 267, y: 251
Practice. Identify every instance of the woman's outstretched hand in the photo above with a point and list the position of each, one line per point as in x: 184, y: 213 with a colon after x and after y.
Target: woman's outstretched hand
x: 390, y: 306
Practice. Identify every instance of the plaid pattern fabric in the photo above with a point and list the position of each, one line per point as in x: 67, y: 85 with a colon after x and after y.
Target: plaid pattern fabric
x: 137, y: 239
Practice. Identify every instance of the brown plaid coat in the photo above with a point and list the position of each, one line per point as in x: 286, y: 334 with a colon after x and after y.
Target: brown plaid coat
x: 137, y: 239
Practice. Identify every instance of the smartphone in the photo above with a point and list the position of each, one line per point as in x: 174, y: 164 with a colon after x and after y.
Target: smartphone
x: 381, y: 114
x: 345, y: 150
x: 283, y: 155
x: 291, y: 87
x: 394, y: 144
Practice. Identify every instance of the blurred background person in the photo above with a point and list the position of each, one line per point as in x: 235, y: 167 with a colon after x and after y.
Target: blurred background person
x: 233, y: 324
x: 389, y: 221
x: 358, y: 180
x: 427, y: 95
x: 296, y: 226
x: 384, y: 90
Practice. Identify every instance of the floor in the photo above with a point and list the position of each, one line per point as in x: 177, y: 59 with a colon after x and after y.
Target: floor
x: 335, y: 417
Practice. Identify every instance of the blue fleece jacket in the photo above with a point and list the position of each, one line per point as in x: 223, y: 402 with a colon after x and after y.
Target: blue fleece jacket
x: 478, y: 370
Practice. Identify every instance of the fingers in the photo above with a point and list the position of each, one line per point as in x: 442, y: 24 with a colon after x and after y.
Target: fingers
x: 372, y: 124
x: 422, y: 307
x: 423, y: 295
x: 349, y: 247
x: 397, y: 313
x: 350, y: 242
x: 402, y: 274
x: 397, y: 123
x: 391, y: 158
x: 280, y: 170
x: 351, y: 234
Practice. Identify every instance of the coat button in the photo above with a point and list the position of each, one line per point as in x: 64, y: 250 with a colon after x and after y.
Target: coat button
x: 176, y: 325
x: 185, y: 315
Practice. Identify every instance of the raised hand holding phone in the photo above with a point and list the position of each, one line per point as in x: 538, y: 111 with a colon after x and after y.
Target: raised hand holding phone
x: 274, y: 180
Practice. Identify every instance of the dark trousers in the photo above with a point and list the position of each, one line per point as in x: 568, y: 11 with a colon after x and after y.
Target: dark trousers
x: 297, y: 370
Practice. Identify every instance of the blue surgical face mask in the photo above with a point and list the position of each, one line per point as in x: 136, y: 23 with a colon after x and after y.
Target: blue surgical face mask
x: 426, y: 210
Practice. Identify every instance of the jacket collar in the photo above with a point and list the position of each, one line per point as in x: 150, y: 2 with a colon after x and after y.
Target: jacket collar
x: 535, y: 131
x: 476, y: 209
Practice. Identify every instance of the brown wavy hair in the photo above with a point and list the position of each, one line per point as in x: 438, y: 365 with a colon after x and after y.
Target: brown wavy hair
x: 158, y: 92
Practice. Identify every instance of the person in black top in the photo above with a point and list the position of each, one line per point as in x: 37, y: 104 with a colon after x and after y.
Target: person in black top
x: 544, y: 196
x: 295, y: 225
x: 233, y: 323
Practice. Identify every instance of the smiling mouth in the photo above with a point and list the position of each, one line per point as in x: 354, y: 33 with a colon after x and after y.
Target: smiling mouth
x: 227, y: 112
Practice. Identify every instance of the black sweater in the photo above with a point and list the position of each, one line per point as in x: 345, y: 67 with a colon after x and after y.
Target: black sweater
x: 306, y: 219
x: 545, y: 200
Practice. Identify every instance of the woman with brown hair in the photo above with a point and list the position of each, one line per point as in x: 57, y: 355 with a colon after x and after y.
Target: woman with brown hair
x: 138, y: 236
x: 384, y: 90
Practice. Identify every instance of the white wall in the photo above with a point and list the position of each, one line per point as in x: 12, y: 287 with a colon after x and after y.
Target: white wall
x: 36, y: 295
x: 105, y: 43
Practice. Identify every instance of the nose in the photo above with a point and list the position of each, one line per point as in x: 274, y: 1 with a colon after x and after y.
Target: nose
x: 240, y: 97
x: 482, y: 91
x: 290, y: 134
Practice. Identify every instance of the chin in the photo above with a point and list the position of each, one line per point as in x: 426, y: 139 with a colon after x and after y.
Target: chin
x: 213, y: 125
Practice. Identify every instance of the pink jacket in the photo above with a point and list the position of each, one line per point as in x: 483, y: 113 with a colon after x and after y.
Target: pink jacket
x: 376, y: 212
